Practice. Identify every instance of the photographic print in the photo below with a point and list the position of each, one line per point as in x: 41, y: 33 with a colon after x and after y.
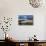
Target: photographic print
x: 25, y: 19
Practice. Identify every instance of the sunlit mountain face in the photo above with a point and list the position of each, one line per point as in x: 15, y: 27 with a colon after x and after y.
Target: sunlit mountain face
x: 25, y: 20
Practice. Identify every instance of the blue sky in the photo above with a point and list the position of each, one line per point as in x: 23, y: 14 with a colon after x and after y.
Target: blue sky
x: 26, y: 17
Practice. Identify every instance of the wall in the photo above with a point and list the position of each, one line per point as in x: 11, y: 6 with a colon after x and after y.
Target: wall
x: 14, y: 8
x: 45, y: 29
